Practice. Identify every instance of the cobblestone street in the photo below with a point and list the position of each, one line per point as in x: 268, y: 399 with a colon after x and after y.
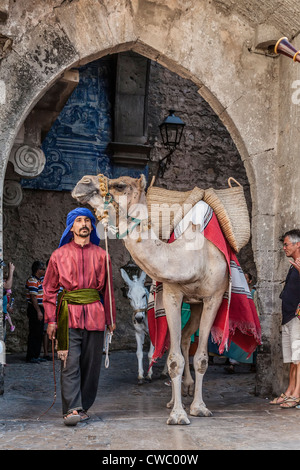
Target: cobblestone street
x: 127, y: 416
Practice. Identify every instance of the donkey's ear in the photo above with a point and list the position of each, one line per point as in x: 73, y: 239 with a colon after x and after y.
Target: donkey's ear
x: 142, y: 276
x: 125, y: 277
x: 143, y: 182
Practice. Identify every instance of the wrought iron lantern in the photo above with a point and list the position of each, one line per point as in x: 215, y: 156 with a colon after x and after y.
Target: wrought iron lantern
x: 171, y: 130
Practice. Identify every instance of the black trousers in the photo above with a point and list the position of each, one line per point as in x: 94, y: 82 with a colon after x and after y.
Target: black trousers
x: 80, y: 376
x: 35, y: 334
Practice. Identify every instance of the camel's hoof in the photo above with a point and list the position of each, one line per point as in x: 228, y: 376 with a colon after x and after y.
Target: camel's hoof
x: 148, y: 379
x: 180, y: 419
x: 201, y: 411
x: 140, y: 381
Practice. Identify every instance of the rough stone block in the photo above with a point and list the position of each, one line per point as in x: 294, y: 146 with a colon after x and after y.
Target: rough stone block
x: 4, y: 10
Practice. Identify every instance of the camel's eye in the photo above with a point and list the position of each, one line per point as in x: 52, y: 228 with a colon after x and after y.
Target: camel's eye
x: 120, y: 186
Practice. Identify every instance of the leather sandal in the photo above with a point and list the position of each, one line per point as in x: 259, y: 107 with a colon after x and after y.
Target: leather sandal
x: 275, y: 401
x: 291, y: 402
x: 72, y: 418
x: 83, y: 415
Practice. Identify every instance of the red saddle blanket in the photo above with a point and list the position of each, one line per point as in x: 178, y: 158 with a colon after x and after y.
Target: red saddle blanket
x: 237, y: 319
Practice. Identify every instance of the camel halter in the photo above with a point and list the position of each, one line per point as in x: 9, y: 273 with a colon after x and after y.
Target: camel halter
x: 109, y: 199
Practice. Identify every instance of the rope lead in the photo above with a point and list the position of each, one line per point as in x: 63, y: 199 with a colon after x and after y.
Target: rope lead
x: 109, y: 334
x: 54, y: 379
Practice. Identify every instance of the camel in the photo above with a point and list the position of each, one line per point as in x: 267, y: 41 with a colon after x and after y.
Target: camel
x: 138, y: 297
x: 191, y: 269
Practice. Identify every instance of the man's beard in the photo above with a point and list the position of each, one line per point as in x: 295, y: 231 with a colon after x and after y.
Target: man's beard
x: 83, y: 235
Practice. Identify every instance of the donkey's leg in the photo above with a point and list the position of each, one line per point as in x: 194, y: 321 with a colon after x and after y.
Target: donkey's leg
x: 150, y: 355
x: 151, y: 349
x: 140, y: 336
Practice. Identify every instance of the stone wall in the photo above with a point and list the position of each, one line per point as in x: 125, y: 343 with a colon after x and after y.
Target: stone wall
x: 288, y: 203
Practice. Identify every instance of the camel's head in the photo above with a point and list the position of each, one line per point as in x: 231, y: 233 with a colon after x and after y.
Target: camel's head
x: 105, y: 194
x: 87, y: 191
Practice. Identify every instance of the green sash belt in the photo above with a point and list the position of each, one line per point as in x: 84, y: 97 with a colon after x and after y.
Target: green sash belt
x: 74, y: 297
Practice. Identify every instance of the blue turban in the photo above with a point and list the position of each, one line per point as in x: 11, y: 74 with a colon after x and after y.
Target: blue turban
x: 68, y: 235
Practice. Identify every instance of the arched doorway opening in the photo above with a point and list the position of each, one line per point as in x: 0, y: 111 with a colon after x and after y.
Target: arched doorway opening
x: 78, y: 142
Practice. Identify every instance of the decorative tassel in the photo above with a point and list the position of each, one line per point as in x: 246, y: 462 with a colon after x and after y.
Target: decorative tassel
x: 62, y: 355
x: 108, y: 338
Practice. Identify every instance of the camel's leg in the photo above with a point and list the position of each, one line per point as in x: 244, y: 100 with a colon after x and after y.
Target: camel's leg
x: 150, y: 355
x: 140, y: 337
x: 210, y: 309
x: 190, y: 328
x: 172, y: 300
x: 165, y: 369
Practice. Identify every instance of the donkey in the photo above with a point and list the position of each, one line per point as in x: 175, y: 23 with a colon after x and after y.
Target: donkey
x: 138, y: 297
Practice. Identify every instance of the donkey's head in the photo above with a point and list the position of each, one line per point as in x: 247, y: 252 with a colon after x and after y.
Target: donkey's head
x: 137, y: 294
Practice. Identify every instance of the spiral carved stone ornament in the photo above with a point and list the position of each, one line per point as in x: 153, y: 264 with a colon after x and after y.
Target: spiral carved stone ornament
x: 12, y: 193
x: 28, y: 161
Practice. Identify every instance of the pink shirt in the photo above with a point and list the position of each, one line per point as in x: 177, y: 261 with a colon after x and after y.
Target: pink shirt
x: 75, y: 267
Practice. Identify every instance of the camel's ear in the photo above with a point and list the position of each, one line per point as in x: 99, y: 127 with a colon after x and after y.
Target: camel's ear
x: 143, y: 182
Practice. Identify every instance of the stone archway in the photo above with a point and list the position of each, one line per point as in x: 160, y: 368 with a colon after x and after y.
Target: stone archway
x: 189, y: 38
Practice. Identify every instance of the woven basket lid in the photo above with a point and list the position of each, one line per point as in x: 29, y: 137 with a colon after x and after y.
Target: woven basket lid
x: 166, y: 208
x: 231, y: 210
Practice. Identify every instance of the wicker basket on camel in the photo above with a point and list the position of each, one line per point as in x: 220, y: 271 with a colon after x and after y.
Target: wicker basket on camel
x: 166, y: 209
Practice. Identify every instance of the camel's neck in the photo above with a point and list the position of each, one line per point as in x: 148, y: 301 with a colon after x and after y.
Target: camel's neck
x: 134, y: 219
x: 138, y: 221
x: 141, y: 241
x: 161, y: 261
x: 180, y: 261
x: 147, y: 252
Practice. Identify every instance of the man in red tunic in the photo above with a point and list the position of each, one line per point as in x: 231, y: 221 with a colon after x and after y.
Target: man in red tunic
x: 78, y: 271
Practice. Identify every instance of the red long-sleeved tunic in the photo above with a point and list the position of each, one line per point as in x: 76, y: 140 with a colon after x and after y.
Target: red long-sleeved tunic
x: 79, y: 267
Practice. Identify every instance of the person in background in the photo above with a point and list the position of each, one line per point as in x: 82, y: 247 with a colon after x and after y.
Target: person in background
x: 8, y: 281
x: 45, y: 335
x: 35, y: 312
x: 7, y: 301
x: 290, y: 297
